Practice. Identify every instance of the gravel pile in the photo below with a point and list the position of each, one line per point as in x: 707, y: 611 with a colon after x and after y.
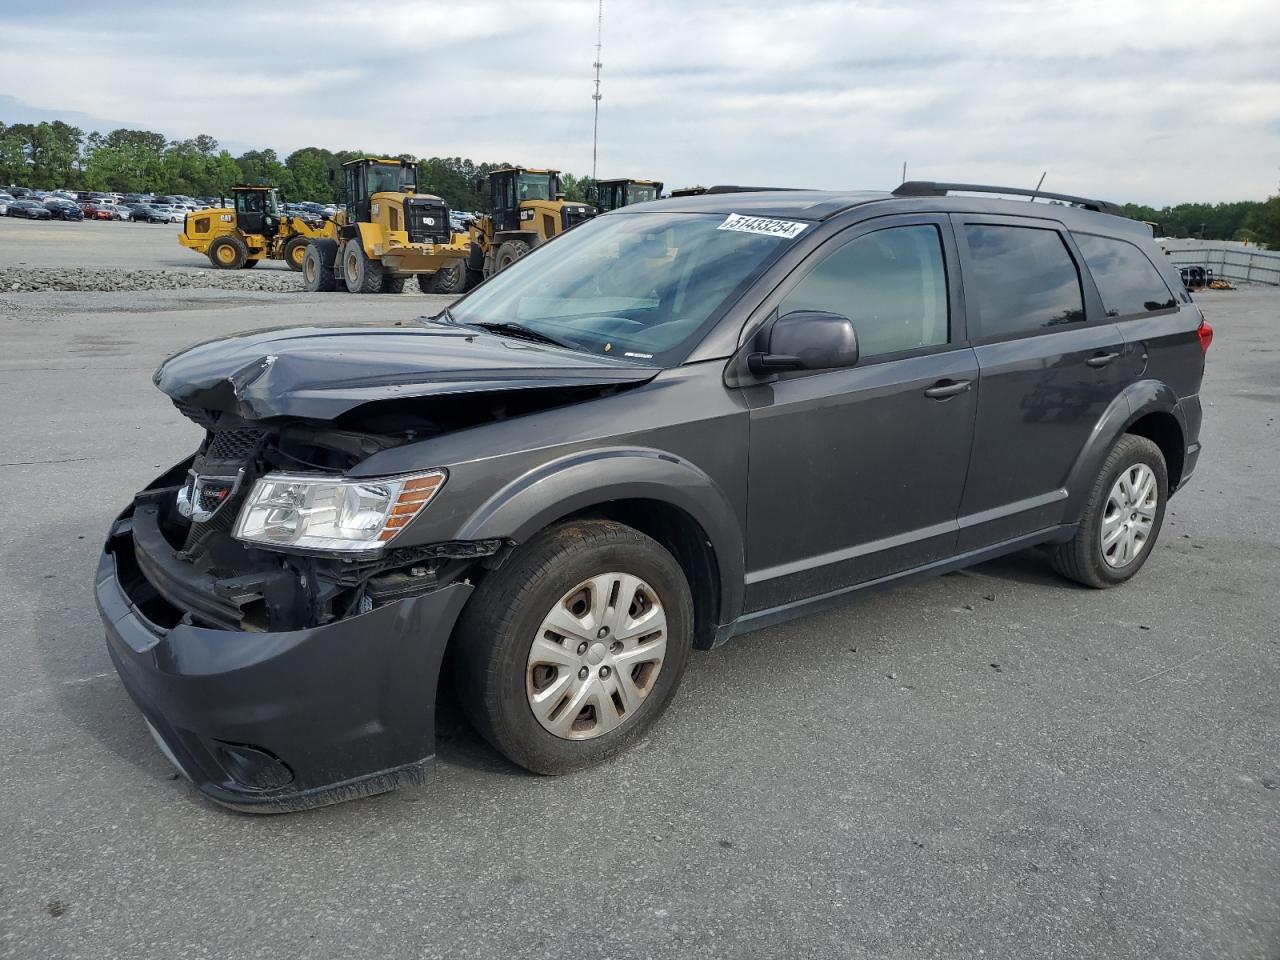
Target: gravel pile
x: 34, y: 279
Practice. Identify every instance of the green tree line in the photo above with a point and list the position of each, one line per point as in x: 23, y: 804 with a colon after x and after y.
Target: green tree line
x: 1248, y: 220
x: 53, y: 155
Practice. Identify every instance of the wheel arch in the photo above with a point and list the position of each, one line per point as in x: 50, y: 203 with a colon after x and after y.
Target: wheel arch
x: 663, y: 496
x: 1148, y: 408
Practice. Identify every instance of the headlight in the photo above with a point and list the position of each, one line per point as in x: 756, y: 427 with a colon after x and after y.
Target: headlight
x: 314, y: 512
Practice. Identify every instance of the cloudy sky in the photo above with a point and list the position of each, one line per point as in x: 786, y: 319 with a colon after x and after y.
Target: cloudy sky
x: 1155, y: 101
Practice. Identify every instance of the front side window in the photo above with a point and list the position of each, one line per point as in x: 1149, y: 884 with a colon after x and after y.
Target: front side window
x: 389, y: 178
x: 1023, y: 280
x: 641, y: 287
x: 534, y: 186
x: 1126, y: 279
x: 641, y: 193
x: 892, y: 284
x: 249, y: 202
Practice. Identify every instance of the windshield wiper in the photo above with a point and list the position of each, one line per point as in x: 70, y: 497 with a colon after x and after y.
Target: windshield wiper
x: 522, y: 332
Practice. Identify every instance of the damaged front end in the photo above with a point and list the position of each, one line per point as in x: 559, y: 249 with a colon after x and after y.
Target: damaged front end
x: 277, y: 679
x: 272, y: 612
x: 190, y: 567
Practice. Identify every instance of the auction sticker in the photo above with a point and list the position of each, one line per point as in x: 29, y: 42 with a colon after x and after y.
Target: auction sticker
x: 765, y: 226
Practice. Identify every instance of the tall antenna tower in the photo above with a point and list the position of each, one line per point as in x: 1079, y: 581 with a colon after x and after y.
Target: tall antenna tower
x: 595, y: 129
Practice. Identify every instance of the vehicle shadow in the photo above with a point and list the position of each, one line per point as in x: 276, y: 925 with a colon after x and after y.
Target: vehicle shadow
x: 1026, y: 566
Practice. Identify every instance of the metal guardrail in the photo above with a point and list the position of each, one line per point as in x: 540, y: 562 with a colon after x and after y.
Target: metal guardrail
x: 1248, y: 266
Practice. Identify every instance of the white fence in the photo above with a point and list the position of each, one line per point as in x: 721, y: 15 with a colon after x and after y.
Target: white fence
x: 1233, y: 261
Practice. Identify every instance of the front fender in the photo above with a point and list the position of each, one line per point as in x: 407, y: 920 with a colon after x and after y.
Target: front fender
x: 1134, y: 402
x: 553, y: 490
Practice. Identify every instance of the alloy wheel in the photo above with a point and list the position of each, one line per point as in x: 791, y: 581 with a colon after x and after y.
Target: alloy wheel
x: 1129, y: 516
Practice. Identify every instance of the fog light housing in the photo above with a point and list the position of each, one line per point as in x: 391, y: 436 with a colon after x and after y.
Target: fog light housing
x: 252, y: 767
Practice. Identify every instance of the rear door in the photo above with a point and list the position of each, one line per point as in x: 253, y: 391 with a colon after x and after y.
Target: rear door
x: 1050, y: 362
x: 857, y: 473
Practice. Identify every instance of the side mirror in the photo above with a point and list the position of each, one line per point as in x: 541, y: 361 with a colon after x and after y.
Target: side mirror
x: 477, y: 184
x: 806, y: 340
x: 592, y: 195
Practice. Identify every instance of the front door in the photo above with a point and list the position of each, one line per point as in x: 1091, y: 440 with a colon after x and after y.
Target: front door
x: 502, y: 201
x: 251, y: 211
x: 857, y: 473
x: 1050, y: 363
x: 358, y: 204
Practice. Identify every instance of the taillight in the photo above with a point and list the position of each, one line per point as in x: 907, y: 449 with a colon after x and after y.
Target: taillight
x: 1205, y: 333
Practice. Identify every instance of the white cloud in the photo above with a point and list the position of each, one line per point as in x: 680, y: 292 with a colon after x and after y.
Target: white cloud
x: 1150, y: 100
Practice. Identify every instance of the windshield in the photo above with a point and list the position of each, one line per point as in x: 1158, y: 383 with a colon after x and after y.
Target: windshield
x: 534, y: 186
x: 639, y: 193
x: 389, y: 178
x: 642, y: 287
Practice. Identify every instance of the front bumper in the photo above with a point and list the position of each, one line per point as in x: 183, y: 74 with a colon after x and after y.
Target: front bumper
x: 271, y: 722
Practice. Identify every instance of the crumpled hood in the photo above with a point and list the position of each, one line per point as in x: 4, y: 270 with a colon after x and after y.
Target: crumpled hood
x: 321, y: 372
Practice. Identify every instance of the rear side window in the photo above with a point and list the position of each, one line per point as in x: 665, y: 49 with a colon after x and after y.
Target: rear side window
x: 1023, y: 279
x: 892, y: 284
x: 1126, y: 279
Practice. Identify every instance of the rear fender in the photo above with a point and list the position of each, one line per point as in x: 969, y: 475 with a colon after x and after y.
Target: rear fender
x: 1134, y: 402
x: 555, y: 490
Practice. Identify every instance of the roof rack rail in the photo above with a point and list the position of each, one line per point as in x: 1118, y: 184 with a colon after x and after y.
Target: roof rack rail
x: 927, y: 188
x: 732, y: 188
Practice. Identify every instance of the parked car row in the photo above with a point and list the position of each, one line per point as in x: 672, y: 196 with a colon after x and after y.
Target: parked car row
x: 58, y: 207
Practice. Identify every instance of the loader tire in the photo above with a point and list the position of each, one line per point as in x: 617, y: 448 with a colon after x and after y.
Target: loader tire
x: 249, y: 264
x: 392, y: 284
x: 228, y: 252
x: 510, y: 252
x: 295, y: 251
x: 317, y: 266
x: 362, y: 274
x: 450, y: 279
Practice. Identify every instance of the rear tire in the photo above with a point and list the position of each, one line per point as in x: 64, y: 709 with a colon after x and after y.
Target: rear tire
x: 317, y: 267
x: 228, y: 252
x: 510, y: 252
x: 362, y: 274
x: 250, y: 264
x: 392, y: 284
x: 295, y: 251
x: 596, y: 695
x: 1128, y: 500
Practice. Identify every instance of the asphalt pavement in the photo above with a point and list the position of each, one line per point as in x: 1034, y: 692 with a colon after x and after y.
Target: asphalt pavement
x: 995, y: 763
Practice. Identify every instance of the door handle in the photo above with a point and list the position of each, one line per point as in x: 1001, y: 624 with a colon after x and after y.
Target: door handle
x: 1101, y: 359
x: 947, y: 388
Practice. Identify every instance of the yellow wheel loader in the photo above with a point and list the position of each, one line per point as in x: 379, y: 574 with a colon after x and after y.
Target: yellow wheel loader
x: 611, y: 194
x: 388, y: 233
x: 526, y: 208
x: 250, y: 230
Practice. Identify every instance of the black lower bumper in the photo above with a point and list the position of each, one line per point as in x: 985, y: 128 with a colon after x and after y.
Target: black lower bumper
x: 270, y: 722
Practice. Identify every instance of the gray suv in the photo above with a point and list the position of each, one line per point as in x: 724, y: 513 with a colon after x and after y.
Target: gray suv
x: 679, y: 422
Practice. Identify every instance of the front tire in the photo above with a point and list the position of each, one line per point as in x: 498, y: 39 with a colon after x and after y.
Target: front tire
x: 317, y: 267
x: 362, y: 274
x: 392, y: 284
x: 1122, y: 518
x: 509, y: 252
x: 450, y: 279
x: 575, y: 646
x: 295, y: 251
x: 228, y: 252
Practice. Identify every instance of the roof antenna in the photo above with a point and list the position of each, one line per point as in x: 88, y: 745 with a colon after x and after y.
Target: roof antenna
x: 904, y: 171
x: 1038, y: 186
